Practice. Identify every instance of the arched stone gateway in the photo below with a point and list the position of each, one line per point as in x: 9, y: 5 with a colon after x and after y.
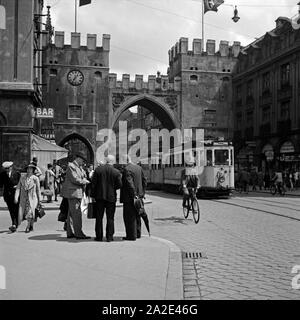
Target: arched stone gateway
x: 160, y: 109
x: 76, y: 143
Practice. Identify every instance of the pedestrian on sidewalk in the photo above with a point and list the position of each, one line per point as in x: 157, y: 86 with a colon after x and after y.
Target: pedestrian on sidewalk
x: 75, y: 182
x: 267, y: 180
x: 49, y: 183
x: 58, y: 172
x: 29, y: 197
x: 9, y: 179
x: 133, y: 187
x: 106, y: 180
x: 260, y: 180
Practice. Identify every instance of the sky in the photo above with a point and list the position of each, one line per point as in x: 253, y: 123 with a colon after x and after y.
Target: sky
x: 143, y: 31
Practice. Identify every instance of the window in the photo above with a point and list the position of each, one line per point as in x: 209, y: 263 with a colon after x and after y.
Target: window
x: 2, y: 18
x: 221, y: 157
x: 193, y: 77
x: 250, y: 118
x: 210, y: 114
x: 98, y: 75
x: 209, y: 160
x: 285, y: 110
x: 239, y: 92
x: 75, y: 112
x: 266, y: 81
x: 250, y: 88
x: 266, y: 114
x: 53, y: 72
x: 285, y: 74
x: 239, y: 119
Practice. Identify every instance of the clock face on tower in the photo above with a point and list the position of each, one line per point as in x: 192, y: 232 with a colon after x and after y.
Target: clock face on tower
x: 75, y: 77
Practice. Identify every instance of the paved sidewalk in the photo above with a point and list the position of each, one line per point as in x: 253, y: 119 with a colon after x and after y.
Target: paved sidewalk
x: 45, y: 264
x: 294, y: 193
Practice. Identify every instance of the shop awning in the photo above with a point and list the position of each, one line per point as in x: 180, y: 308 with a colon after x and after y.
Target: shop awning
x: 46, y: 151
x: 287, y: 147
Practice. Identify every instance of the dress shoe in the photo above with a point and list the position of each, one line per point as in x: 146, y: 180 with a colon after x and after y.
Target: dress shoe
x: 71, y: 237
x: 83, y: 238
x: 109, y: 240
x: 97, y: 239
x: 128, y: 239
x: 13, y: 228
x: 27, y: 230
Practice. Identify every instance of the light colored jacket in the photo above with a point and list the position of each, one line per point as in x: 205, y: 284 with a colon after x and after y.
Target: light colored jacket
x: 34, y: 194
x: 74, y: 183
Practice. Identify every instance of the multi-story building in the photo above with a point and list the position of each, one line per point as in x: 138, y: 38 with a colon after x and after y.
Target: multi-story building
x: 206, y: 85
x: 20, y: 77
x: 76, y: 88
x: 266, y: 99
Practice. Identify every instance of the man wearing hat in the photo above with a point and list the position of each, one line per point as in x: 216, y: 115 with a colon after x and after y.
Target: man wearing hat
x: 9, y: 179
x: 73, y: 188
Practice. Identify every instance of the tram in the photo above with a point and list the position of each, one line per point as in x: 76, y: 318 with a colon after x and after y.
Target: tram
x: 214, y: 164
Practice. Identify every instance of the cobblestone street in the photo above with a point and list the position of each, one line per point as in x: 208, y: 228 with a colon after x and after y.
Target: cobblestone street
x: 246, y: 253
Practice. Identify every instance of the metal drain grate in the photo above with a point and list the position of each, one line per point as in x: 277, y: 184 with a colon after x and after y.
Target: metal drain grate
x: 193, y: 255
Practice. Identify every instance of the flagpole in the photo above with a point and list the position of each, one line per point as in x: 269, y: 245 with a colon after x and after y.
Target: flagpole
x: 75, y: 15
x: 203, y: 43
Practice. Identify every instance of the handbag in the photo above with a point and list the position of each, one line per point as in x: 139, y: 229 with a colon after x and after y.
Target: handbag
x: 39, y: 212
x: 91, y: 213
x: 47, y: 193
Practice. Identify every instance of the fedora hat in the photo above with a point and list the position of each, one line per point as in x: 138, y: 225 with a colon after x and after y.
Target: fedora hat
x: 7, y: 164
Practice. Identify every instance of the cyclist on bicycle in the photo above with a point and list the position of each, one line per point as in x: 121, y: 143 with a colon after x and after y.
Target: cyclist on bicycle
x: 190, y: 180
x: 277, y: 179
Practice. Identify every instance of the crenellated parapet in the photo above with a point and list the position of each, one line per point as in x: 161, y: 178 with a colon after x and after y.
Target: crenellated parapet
x: 154, y: 83
x: 91, y: 41
x: 224, y: 49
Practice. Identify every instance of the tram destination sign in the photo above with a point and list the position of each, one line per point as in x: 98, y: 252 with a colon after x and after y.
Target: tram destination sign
x: 45, y: 113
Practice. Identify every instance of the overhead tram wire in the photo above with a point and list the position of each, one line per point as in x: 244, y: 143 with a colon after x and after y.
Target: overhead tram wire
x: 187, y: 18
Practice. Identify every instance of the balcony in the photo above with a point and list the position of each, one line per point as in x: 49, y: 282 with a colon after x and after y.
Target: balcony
x: 265, y: 130
x: 285, y: 92
x: 284, y: 127
x: 249, y: 133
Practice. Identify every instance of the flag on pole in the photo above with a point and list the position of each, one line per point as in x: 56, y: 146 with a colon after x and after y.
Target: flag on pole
x: 84, y: 2
x: 212, y: 5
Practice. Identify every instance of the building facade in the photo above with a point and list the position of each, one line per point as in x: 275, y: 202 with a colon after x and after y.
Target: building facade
x: 266, y: 100
x: 76, y: 88
x: 206, y: 85
x: 20, y: 77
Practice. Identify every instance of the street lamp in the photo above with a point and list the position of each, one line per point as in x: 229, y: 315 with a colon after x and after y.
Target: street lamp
x: 236, y: 17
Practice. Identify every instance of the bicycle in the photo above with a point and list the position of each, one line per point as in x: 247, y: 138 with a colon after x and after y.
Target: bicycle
x: 192, y: 205
x: 274, y: 188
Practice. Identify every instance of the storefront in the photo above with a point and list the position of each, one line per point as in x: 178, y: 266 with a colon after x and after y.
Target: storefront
x: 288, y: 159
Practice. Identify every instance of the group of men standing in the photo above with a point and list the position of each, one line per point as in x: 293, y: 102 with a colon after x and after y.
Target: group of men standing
x: 104, y: 183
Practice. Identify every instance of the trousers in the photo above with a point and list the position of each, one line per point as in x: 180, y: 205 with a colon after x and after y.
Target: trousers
x: 132, y: 221
x: 109, y: 208
x: 74, y: 220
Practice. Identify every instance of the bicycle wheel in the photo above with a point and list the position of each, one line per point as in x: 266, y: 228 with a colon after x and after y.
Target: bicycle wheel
x: 186, y: 209
x: 196, y: 211
x: 283, y: 191
x: 273, y: 190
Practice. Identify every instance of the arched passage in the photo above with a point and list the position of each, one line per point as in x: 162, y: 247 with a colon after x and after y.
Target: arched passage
x: 76, y: 143
x: 161, y: 110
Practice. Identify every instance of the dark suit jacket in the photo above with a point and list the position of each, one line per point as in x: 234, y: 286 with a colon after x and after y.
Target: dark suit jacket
x: 105, y: 182
x: 9, y: 184
x: 134, y: 183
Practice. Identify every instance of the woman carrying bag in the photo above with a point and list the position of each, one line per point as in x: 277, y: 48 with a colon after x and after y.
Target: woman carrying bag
x: 28, y: 190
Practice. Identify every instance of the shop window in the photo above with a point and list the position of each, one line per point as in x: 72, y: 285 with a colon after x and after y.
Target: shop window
x: 2, y: 18
x: 209, y: 159
x: 75, y: 112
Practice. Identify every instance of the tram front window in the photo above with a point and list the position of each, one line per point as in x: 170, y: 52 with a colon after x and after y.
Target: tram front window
x: 222, y: 157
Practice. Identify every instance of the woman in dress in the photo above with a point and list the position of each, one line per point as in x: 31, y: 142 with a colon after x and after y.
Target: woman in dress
x: 28, y: 189
x: 49, y: 183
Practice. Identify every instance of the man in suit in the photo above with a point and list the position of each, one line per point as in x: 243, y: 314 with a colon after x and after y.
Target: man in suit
x: 75, y: 182
x: 9, y: 179
x: 105, y: 183
x: 134, y: 185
